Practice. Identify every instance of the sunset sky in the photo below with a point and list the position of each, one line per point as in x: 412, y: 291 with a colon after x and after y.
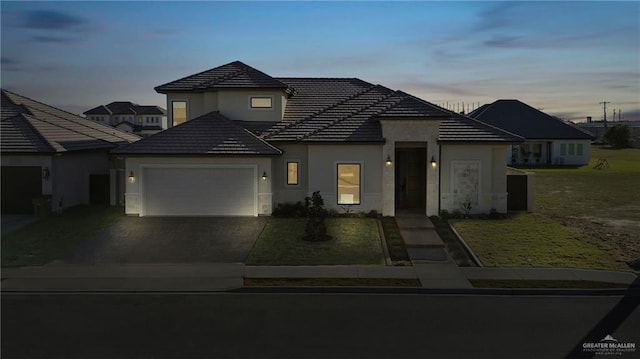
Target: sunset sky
x: 562, y: 57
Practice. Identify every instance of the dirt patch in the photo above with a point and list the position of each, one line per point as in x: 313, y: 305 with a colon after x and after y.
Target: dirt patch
x: 620, y: 234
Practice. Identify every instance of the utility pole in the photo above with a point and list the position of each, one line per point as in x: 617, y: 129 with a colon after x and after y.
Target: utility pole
x: 614, y: 115
x: 604, y: 109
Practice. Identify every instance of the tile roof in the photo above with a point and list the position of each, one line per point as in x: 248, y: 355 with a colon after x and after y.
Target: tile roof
x: 233, y: 75
x: 335, y: 109
x: 519, y: 118
x: 209, y: 134
x: 28, y: 126
x: 125, y: 108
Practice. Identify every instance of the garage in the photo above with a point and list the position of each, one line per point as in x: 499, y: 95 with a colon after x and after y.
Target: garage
x: 200, y: 191
x: 20, y: 185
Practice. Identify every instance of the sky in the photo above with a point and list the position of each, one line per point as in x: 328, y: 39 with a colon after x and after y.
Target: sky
x: 561, y: 57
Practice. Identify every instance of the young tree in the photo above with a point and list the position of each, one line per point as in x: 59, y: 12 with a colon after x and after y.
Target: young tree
x: 619, y: 136
x: 315, y: 229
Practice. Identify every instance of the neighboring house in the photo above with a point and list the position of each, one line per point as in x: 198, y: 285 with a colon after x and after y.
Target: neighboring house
x: 130, y: 117
x: 598, y: 128
x: 54, y: 155
x: 548, y: 140
x: 243, y: 141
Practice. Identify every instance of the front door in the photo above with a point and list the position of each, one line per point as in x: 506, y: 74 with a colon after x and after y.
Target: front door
x: 411, y: 178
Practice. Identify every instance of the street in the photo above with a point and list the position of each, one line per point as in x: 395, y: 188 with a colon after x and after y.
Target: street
x: 242, y: 325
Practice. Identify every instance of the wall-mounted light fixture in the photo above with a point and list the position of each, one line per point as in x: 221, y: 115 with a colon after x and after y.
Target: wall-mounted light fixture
x: 45, y: 172
x: 264, y: 176
x: 388, y: 162
x: 433, y: 162
x: 132, y: 178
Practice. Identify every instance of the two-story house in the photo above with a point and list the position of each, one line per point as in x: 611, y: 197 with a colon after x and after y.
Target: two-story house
x: 130, y: 117
x: 241, y: 141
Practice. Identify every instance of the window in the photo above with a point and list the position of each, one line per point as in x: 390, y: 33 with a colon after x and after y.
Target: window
x: 179, y: 112
x: 261, y: 102
x: 572, y: 149
x: 563, y: 149
x: 579, y: 149
x: 348, y: 183
x: 292, y: 174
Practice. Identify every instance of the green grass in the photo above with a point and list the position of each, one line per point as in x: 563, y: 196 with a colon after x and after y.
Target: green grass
x: 330, y: 282
x: 608, y: 193
x: 47, y: 239
x: 355, y: 241
x: 451, y: 242
x: 395, y: 243
x: 564, y: 284
x: 529, y: 239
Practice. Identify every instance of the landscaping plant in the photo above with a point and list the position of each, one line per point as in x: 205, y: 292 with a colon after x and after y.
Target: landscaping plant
x: 315, y: 229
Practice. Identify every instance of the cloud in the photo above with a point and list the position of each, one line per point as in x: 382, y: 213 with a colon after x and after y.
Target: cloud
x: 52, y: 20
x: 52, y: 39
x: 503, y: 41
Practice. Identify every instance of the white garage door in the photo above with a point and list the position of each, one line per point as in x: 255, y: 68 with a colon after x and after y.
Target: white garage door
x: 200, y: 192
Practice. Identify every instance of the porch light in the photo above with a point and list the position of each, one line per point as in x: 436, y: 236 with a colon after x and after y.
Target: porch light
x: 388, y: 162
x: 132, y: 178
x: 433, y: 162
x: 45, y: 172
x: 264, y: 176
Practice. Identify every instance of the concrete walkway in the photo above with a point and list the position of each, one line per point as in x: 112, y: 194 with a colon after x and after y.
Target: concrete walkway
x: 223, y: 277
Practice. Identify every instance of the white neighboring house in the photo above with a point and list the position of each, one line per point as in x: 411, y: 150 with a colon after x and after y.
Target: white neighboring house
x: 57, y: 157
x: 241, y: 141
x: 130, y: 117
x: 548, y: 140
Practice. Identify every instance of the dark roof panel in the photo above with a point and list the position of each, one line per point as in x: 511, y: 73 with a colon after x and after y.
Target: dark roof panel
x: 39, y: 128
x: 232, y: 75
x: 209, y: 134
x: 519, y: 118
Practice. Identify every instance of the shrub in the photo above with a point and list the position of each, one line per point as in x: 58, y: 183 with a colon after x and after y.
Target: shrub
x: 619, y: 136
x: 315, y: 229
x: 288, y: 209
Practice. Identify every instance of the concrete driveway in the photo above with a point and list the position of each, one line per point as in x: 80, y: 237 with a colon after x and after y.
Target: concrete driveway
x: 171, y: 240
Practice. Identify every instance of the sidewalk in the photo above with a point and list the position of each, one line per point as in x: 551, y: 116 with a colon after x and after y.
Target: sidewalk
x: 223, y: 277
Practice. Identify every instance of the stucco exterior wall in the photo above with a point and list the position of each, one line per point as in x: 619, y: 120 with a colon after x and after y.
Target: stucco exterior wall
x: 68, y: 181
x: 198, y: 104
x: 322, y: 174
x: 489, y: 160
x: 235, y: 104
x: 70, y: 176
x: 291, y: 193
x: 571, y: 160
x: 395, y: 131
x: 133, y: 189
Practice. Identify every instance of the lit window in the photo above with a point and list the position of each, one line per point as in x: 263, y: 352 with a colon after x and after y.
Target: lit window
x: 179, y: 112
x: 261, y: 102
x: 348, y: 183
x: 292, y: 173
x: 563, y: 149
x: 579, y: 149
x: 572, y: 149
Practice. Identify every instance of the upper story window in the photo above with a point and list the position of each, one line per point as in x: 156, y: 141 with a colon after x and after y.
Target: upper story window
x: 260, y: 102
x: 179, y: 112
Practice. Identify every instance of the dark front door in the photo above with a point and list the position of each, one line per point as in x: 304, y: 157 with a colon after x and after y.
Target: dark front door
x: 411, y: 178
x: 517, y: 193
x: 99, y: 189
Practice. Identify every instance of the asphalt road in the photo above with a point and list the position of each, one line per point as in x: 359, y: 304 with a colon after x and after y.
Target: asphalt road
x: 311, y: 325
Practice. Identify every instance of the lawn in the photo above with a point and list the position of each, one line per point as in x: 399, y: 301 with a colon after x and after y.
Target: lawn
x: 47, y: 239
x: 585, y: 218
x: 602, y: 203
x: 355, y: 241
x: 529, y: 239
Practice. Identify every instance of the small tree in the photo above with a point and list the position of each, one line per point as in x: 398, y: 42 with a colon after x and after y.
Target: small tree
x: 315, y: 230
x: 619, y: 136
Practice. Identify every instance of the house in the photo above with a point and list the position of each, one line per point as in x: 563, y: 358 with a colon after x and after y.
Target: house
x: 548, y: 140
x: 56, y: 156
x: 130, y: 117
x: 241, y: 141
